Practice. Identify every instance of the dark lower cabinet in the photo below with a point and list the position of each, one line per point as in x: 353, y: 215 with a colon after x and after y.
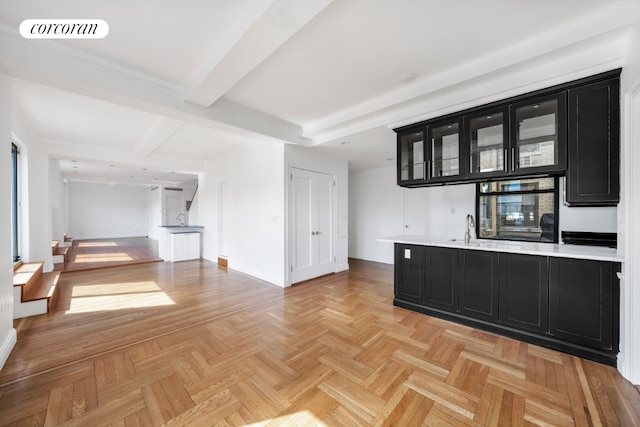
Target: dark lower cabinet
x: 409, y: 272
x: 442, y: 278
x: 566, y: 304
x: 524, y: 292
x: 584, y: 303
x: 479, y: 284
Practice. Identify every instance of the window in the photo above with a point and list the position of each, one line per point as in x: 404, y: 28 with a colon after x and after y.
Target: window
x: 520, y: 209
x: 14, y: 203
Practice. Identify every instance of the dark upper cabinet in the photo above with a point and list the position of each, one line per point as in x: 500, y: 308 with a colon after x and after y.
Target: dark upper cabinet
x: 538, y: 135
x: 442, y: 278
x: 409, y: 272
x: 584, y: 302
x: 430, y: 155
x: 571, y: 128
x: 594, y: 144
x: 524, y: 291
x: 412, y: 162
x: 487, y: 143
x: 444, y: 151
x: 479, y: 284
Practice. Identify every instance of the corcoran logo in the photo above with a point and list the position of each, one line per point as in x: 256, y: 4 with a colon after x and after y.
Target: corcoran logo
x: 64, y: 29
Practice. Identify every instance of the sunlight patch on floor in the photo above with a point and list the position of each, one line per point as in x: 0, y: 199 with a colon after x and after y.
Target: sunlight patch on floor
x: 298, y: 419
x: 117, y: 296
x: 96, y: 244
x: 108, y: 257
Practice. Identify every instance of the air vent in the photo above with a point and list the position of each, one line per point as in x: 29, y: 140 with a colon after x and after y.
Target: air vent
x: 172, y: 189
x: 153, y: 188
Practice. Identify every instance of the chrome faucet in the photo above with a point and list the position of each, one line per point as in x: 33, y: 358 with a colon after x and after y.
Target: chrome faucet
x: 180, y: 219
x: 470, y: 236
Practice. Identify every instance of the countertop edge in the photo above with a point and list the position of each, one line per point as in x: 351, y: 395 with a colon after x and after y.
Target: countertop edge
x: 530, y: 248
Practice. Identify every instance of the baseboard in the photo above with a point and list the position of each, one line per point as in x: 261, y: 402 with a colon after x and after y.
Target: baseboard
x: 342, y: 267
x: 7, y: 345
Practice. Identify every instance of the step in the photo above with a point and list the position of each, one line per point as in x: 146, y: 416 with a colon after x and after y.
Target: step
x: 54, y: 246
x: 64, y: 252
x: 67, y: 238
x: 26, y: 274
x: 45, y: 288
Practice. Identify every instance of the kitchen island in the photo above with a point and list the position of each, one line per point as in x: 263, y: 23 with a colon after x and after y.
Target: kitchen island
x: 564, y: 297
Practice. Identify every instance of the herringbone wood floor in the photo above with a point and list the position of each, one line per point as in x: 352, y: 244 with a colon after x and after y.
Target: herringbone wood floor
x: 193, y: 344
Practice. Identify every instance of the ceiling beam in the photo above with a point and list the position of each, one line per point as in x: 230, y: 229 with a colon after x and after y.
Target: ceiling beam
x: 261, y: 36
x: 158, y: 133
x: 53, y: 64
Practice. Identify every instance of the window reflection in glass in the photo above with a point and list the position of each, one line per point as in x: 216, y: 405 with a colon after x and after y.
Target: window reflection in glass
x: 537, y: 134
x: 445, y: 150
x: 518, y: 210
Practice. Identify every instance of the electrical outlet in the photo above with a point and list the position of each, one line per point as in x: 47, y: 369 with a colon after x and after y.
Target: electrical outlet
x: 452, y: 210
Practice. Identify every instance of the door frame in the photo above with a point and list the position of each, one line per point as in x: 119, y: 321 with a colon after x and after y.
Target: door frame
x: 629, y: 356
x: 289, y: 204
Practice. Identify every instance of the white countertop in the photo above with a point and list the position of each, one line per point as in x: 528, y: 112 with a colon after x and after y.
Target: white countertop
x: 531, y: 248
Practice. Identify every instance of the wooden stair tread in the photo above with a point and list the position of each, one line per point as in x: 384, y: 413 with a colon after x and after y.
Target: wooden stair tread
x: 43, y: 288
x: 27, y: 273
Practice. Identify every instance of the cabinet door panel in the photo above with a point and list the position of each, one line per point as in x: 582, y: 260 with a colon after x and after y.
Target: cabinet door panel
x: 581, y: 301
x: 442, y: 278
x: 479, y: 284
x: 409, y: 273
x: 487, y: 140
x: 444, y: 151
x: 524, y: 291
x: 594, y: 145
x: 411, y: 158
x: 538, y: 135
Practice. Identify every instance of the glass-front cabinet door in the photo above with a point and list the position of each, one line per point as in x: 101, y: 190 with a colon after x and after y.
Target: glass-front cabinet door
x: 444, y: 151
x: 487, y: 135
x: 411, y: 155
x: 538, y: 135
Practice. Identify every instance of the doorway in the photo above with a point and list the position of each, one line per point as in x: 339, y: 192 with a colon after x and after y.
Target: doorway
x: 312, y: 213
x: 174, y: 208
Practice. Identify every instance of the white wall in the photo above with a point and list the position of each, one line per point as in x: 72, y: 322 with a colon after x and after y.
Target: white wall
x: 375, y: 210
x: 34, y: 195
x: 307, y: 158
x: 153, y: 208
x: 380, y: 208
x: 7, y: 333
x: 99, y: 211
x: 255, y: 235
x: 57, y: 201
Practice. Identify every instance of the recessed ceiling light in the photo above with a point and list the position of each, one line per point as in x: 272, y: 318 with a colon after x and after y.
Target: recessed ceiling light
x: 74, y: 161
x: 390, y: 159
x: 407, y: 77
x: 112, y: 166
x: 345, y: 143
x: 144, y: 169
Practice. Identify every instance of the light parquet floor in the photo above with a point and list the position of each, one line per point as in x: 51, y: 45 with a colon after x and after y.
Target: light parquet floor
x: 101, y: 253
x: 193, y: 344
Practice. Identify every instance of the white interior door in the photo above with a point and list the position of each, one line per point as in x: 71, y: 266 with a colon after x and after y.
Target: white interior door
x: 312, y: 224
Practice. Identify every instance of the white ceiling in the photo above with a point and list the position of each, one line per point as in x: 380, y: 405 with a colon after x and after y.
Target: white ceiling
x: 176, y: 83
